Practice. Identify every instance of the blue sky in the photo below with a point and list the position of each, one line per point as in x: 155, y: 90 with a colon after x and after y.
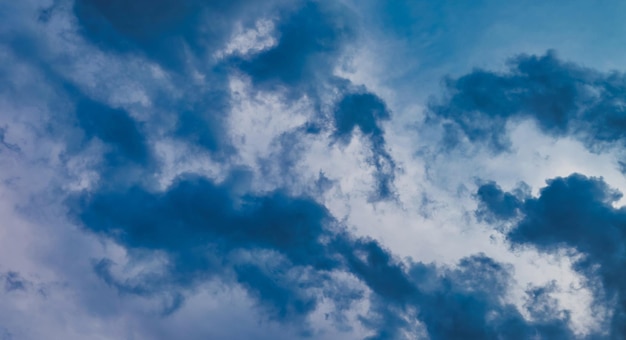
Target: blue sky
x: 291, y: 169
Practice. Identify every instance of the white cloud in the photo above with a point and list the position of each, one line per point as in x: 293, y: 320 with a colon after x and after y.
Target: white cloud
x: 249, y: 41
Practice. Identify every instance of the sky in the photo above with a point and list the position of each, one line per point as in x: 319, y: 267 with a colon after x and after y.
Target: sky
x: 312, y: 169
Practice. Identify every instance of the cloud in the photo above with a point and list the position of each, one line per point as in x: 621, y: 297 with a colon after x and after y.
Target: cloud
x: 309, y: 41
x: 180, y: 37
x: 468, y: 303
x: 575, y: 213
x: 367, y: 112
x: 182, y: 166
x: 282, y: 249
x: 562, y: 98
x: 496, y: 204
x: 162, y: 30
x: 13, y: 281
x: 201, y: 224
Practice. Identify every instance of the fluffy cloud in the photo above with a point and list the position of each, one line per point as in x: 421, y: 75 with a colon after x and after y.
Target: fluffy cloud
x: 562, y: 98
x: 573, y: 213
x: 180, y: 167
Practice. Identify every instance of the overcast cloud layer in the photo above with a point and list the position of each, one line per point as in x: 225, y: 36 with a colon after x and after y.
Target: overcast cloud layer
x: 285, y: 169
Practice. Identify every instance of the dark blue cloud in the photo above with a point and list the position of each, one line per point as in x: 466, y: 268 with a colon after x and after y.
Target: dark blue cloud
x: 496, y: 204
x: 157, y: 28
x: 542, y: 306
x: 462, y: 303
x: 147, y: 285
x: 310, y: 35
x: 561, y: 97
x: 203, y: 226
x: 378, y: 269
x: 196, y: 218
x: 363, y: 110
x: 360, y: 110
x: 13, y: 281
x: 115, y: 127
x: 467, y: 303
x: 180, y: 36
x: 386, y: 277
x: 286, y: 298
x: 309, y: 41
x: 163, y: 30
x: 576, y: 212
x: 126, y: 153
x: 200, y: 129
x: 80, y: 117
x: 367, y: 112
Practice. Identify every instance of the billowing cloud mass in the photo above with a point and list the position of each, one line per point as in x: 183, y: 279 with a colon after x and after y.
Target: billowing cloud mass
x: 561, y: 98
x: 293, y: 169
x: 574, y: 213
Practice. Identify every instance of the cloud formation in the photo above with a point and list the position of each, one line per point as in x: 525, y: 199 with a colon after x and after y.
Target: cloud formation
x: 176, y: 167
x: 367, y: 112
x: 208, y: 231
x: 560, y: 97
x: 572, y: 213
